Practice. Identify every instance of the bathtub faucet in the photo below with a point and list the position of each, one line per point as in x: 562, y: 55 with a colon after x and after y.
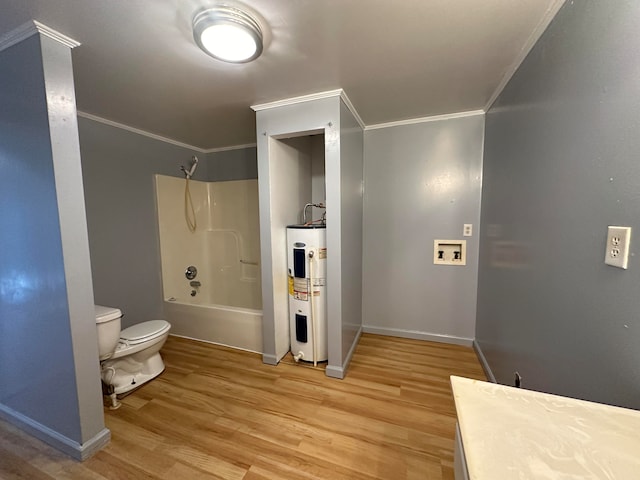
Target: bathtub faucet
x: 195, y: 283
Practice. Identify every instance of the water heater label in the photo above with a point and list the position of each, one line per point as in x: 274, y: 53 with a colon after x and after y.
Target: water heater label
x: 301, y: 289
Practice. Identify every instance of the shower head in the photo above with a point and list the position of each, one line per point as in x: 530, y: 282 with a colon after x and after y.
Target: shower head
x: 192, y: 168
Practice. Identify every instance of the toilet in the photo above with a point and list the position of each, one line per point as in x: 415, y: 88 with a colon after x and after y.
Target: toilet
x: 131, y: 357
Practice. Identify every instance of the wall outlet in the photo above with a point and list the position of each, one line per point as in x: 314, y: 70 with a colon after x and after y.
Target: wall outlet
x: 450, y: 252
x: 616, y: 251
x: 467, y: 230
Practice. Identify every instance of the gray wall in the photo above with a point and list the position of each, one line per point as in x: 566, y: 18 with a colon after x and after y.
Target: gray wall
x: 118, y: 169
x: 422, y: 182
x: 49, y: 373
x: 237, y: 164
x: 560, y: 164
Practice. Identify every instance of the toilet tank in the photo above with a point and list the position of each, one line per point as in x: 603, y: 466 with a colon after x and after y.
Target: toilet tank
x: 108, y: 321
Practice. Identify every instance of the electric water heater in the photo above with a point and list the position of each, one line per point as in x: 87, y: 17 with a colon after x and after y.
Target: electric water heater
x: 307, y: 268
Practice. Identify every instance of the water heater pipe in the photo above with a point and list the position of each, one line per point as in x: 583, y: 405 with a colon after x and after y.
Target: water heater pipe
x: 304, y: 212
x: 313, y: 320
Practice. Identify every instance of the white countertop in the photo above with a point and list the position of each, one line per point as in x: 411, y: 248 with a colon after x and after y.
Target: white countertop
x: 516, y: 434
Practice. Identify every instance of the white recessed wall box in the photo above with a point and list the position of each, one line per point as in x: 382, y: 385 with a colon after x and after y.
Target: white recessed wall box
x: 450, y: 252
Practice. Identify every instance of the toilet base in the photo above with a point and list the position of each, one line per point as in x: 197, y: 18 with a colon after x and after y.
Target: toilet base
x: 127, y: 373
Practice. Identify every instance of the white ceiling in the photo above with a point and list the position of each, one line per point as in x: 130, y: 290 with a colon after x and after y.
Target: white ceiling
x: 396, y: 59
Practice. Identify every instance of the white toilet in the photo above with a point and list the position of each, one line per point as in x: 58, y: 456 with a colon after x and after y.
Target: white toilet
x: 131, y: 357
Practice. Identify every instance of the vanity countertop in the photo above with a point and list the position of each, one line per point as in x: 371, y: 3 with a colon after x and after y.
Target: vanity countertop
x: 516, y: 434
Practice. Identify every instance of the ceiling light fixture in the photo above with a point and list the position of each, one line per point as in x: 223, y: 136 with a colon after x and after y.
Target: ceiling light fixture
x: 228, y: 34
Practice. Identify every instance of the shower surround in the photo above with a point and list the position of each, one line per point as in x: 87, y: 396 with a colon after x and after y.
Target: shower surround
x: 223, y: 303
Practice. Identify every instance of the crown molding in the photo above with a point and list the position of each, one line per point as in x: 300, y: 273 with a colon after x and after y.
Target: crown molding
x: 234, y: 147
x: 160, y: 138
x: 309, y: 98
x: 137, y: 131
x: 352, y: 109
x: 528, y: 46
x: 31, y: 28
x: 434, y: 118
x: 296, y: 100
x: 55, y: 35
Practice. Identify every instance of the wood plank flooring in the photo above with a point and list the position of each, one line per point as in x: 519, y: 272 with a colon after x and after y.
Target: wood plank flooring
x: 219, y: 413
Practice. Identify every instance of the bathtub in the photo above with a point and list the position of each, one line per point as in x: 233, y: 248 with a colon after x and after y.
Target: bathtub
x: 229, y: 326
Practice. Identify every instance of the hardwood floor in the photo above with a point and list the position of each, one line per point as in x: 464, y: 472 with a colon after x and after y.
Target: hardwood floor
x: 219, y: 413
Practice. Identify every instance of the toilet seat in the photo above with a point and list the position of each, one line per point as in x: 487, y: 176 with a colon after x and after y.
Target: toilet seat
x: 144, y: 332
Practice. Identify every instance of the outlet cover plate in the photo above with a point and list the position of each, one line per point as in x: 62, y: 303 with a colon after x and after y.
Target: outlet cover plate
x: 617, y: 249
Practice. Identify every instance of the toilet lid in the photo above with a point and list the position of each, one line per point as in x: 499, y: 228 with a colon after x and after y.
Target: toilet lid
x: 144, y: 331
x: 104, y: 314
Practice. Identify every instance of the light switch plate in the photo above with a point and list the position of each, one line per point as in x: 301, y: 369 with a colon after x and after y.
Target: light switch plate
x: 617, y: 249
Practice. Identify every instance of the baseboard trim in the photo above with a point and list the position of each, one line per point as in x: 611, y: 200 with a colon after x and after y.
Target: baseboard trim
x: 334, y: 372
x: 418, y: 335
x: 56, y: 440
x: 100, y: 440
x: 339, y: 372
x: 270, y: 359
x: 483, y: 362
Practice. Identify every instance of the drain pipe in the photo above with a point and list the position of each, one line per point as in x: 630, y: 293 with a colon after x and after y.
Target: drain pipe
x: 298, y: 356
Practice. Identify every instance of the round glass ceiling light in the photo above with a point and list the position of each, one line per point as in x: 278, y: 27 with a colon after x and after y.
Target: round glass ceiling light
x: 228, y: 34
